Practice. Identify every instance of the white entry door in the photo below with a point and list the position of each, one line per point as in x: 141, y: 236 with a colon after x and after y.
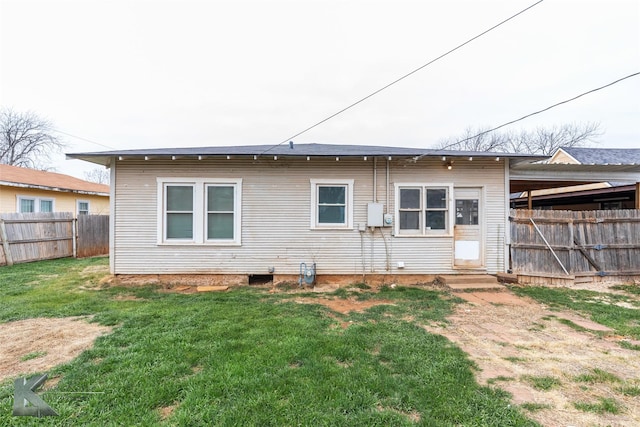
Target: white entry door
x: 468, y: 241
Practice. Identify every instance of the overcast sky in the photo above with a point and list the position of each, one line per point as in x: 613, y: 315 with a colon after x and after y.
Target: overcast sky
x: 144, y: 74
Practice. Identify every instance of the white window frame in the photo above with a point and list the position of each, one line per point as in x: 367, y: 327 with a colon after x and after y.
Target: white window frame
x: 348, y: 215
x: 236, y: 210
x: 36, y: 203
x: 165, y: 187
x: 423, y: 232
x: 78, y: 207
x: 199, y: 211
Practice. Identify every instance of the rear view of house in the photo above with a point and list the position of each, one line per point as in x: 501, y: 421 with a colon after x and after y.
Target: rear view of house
x: 353, y: 211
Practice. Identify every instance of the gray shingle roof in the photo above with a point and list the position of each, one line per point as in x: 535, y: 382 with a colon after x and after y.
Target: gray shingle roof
x: 294, y: 150
x: 604, y: 156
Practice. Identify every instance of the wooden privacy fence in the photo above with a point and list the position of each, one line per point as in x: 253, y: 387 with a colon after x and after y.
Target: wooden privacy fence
x: 93, y: 235
x: 37, y: 236
x: 575, y: 244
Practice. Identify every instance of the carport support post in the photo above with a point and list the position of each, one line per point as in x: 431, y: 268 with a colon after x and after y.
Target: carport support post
x: 529, y: 200
x: 637, y: 195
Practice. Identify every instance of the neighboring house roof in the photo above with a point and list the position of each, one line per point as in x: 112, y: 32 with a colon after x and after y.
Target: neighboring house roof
x: 14, y: 176
x: 603, y: 156
x: 312, y: 150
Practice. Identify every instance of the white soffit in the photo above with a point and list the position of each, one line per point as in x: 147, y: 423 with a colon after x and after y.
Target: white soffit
x: 571, y: 172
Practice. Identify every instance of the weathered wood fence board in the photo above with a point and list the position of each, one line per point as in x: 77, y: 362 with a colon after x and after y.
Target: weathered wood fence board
x: 37, y: 236
x: 93, y: 235
x: 587, y: 243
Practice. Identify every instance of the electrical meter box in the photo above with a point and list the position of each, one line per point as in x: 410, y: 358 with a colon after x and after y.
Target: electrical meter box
x: 375, y: 212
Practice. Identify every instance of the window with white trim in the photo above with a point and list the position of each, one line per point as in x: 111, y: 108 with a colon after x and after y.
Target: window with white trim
x: 199, y: 211
x: 178, y: 211
x: 220, y: 212
x: 83, y: 207
x: 34, y: 204
x: 423, y: 209
x: 331, y: 204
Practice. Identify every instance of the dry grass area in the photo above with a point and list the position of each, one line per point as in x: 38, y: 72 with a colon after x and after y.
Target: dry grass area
x: 37, y: 345
x: 343, y: 306
x: 515, y: 341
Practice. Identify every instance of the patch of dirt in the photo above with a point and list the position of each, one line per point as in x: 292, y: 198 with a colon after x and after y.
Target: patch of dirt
x: 512, y: 339
x: 344, y: 306
x: 166, y: 411
x: 128, y: 298
x: 95, y: 269
x: 57, y: 340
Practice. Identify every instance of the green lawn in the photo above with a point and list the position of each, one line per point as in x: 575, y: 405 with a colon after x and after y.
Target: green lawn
x: 247, y: 357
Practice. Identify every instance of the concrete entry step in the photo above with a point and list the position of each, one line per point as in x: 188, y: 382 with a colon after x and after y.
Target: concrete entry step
x: 469, y: 282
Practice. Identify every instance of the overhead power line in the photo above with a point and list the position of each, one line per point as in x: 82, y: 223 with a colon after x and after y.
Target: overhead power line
x: 84, y: 139
x: 541, y: 111
x: 402, y: 77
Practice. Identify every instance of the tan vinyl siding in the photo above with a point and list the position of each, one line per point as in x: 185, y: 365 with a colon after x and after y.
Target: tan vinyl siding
x: 63, y: 201
x: 561, y: 156
x: 276, y: 217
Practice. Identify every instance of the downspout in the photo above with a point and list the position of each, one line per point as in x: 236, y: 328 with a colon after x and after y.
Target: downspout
x: 507, y: 225
x: 386, y: 207
x: 375, y: 180
x: 386, y: 210
x: 112, y: 216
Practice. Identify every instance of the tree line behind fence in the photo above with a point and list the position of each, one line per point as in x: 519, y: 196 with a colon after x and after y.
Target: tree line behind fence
x: 37, y: 236
x: 575, y: 243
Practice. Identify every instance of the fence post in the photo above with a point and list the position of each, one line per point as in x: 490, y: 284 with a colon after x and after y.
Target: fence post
x: 74, y: 231
x: 5, y: 243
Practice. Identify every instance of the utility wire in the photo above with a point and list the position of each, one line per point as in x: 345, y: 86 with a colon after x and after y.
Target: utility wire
x: 538, y: 112
x: 401, y: 78
x: 84, y: 139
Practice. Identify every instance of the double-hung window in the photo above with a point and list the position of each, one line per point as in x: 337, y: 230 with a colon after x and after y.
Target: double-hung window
x: 26, y: 205
x: 178, y: 208
x: 83, y: 207
x: 331, y: 204
x: 199, y: 211
x: 34, y: 204
x: 220, y: 212
x: 423, y: 209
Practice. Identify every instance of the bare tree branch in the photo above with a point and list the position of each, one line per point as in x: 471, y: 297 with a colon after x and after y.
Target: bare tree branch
x: 98, y: 175
x: 542, y: 140
x: 26, y: 140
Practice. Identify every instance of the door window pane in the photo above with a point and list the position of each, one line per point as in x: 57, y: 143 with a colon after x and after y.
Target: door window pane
x: 467, y: 212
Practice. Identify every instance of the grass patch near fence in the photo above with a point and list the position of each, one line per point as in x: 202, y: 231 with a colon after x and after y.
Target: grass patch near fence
x: 544, y: 383
x: 247, y: 357
x: 602, y: 406
x: 614, y: 312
